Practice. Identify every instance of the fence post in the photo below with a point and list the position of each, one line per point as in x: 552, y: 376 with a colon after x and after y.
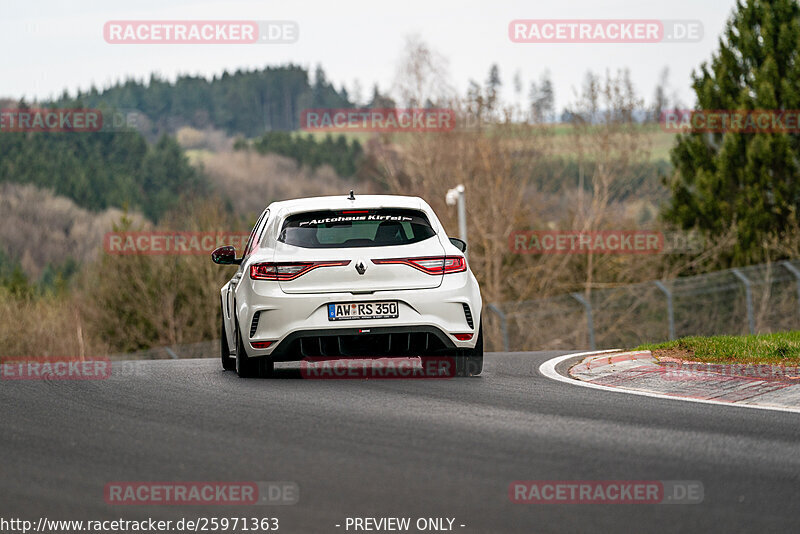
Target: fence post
x: 792, y: 269
x: 670, y: 312
x: 503, y: 324
x: 589, y: 321
x: 749, y: 295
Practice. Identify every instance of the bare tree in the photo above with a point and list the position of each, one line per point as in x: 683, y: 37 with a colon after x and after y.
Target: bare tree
x: 660, y: 99
x: 542, y: 99
x: 422, y: 75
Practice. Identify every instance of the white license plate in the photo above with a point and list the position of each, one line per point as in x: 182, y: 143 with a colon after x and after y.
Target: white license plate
x: 348, y: 311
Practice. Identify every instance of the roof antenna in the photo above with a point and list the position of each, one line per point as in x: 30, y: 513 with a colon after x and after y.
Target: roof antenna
x: 352, y: 196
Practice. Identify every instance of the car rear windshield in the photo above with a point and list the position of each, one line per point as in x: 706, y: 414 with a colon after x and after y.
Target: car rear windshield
x: 356, y: 228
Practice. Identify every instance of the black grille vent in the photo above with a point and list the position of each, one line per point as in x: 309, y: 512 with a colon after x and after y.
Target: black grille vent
x: 254, y: 326
x: 368, y: 345
x: 468, y: 315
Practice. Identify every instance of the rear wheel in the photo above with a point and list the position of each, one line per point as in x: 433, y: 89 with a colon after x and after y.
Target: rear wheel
x: 262, y: 367
x: 245, y: 367
x: 470, y: 361
x: 228, y: 363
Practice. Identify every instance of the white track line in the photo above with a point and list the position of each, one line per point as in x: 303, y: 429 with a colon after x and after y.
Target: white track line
x: 548, y: 369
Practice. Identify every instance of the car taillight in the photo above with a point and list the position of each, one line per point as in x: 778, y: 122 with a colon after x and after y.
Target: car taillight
x: 261, y: 344
x: 431, y: 265
x: 463, y: 337
x: 290, y: 270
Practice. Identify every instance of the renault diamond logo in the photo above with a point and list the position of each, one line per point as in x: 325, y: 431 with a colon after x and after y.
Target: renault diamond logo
x: 361, y: 268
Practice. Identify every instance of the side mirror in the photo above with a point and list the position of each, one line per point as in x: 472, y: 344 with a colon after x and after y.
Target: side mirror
x: 225, y: 256
x: 460, y: 245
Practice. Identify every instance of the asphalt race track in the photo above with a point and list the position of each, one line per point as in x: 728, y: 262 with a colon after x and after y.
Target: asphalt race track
x: 391, y: 448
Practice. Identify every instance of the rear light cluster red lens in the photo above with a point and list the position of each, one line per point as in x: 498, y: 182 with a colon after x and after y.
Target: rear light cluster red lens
x: 431, y: 265
x: 463, y: 337
x: 261, y: 344
x: 289, y: 271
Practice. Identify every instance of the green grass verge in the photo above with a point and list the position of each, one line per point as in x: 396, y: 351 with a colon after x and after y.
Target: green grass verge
x: 780, y: 347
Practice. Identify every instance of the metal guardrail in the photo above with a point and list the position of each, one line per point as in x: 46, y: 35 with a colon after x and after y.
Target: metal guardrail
x: 755, y: 299
x: 746, y: 300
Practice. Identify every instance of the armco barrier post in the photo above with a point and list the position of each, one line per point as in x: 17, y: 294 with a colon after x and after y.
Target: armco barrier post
x: 792, y: 269
x: 503, y: 324
x: 749, y: 296
x: 589, y: 321
x: 670, y: 311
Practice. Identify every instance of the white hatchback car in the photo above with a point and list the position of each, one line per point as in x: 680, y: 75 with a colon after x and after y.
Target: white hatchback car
x: 343, y: 277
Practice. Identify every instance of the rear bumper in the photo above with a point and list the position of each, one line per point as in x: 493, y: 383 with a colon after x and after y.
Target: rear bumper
x: 298, y: 325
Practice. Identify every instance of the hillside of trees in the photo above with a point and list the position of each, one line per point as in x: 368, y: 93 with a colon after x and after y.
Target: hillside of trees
x: 340, y: 154
x: 245, y: 102
x: 102, y: 169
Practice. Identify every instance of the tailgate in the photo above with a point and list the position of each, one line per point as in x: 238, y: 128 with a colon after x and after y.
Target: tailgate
x: 361, y: 274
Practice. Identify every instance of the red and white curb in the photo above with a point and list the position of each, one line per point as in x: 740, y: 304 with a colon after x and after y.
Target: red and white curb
x: 638, y: 373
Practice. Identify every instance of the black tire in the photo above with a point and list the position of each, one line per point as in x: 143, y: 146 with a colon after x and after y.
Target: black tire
x: 262, y: 367
x: 470, y: 361
x: 266, y: 367
x: 228, y: 363
x: 245, y: 367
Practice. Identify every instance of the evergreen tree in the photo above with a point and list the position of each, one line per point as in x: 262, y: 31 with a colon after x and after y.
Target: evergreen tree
x: 380, y: 101
x: 748, y: 180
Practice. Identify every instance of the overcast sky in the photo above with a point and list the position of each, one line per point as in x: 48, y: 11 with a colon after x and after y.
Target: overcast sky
x: 52, y: 45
